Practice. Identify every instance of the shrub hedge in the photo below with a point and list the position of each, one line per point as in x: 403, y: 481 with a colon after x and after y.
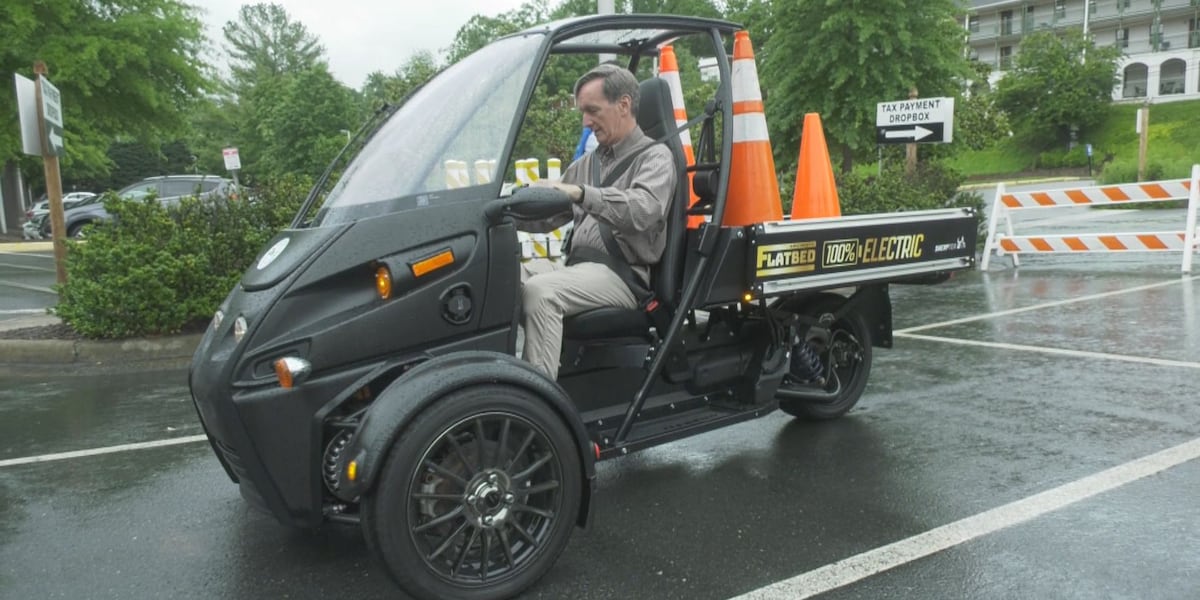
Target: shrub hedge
x: 158, y: 270
x: 931, y: 185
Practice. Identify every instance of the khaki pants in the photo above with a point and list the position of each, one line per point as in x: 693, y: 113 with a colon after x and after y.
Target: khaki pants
x: 551, y: 291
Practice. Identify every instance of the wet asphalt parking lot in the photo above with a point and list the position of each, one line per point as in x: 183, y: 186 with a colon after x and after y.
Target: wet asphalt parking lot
x: 1033, y: 434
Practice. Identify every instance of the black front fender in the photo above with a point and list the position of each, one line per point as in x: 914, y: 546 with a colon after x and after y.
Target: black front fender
x: 412, y: 392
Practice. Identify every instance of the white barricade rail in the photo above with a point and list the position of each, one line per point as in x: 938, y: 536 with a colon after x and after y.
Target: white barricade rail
x: 1184, y: 241
x: 540, y: 245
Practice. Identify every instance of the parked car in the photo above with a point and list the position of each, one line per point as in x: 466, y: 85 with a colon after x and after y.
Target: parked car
x: 75, y: 217
x: 168, y: 189
x: 42, y: 207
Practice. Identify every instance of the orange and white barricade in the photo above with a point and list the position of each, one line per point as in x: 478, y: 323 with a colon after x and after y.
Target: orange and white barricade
x: 536, y: 246
x: 1184, y: 241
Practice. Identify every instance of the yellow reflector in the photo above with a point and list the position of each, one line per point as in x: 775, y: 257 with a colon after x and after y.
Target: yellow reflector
x: 383, y: 282
x: 352, y: 470
x: 426, y: 266
x: 283, y: 373
x: 747, y: 297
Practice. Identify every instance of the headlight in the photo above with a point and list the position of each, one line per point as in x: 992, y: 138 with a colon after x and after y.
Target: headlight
x: 217, y: 318
x: 239, y: 328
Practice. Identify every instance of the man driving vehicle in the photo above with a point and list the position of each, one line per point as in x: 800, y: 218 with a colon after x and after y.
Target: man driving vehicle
x: 613, y: 196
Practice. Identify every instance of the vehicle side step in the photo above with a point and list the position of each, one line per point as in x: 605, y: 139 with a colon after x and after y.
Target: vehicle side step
x: 655, y: 431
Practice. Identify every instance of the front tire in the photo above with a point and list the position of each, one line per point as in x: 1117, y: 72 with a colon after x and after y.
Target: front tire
x: 477, y: 497
x: 848, y: 350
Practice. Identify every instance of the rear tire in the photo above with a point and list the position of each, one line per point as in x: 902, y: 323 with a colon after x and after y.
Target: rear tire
x: 76, y: 230
x: 477, y: 496
x: 850, y: 352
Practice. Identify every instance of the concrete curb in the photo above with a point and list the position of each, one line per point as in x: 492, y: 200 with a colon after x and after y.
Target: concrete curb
x: 992, y: 184
x: 97, y: 352
x: 91, y: 352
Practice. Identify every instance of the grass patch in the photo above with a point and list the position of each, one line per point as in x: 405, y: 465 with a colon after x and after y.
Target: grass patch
x: 1173, y: 146
x: 1003, y: 158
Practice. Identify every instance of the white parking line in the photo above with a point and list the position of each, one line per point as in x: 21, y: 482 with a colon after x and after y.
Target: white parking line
x: 1162, y: 362
x: 12, y: 462
x: 33, y: 288
x: 27, y: 267
x: 32, y: 250
x: 23, y: 311
x: 878, y: 560
x: 1013, y: 311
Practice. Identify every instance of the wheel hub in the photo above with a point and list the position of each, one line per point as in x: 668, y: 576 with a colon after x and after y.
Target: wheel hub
x: 488, y: 498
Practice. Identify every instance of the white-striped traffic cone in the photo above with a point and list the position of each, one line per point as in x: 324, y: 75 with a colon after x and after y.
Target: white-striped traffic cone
x: 668, y: 70
x: 753, y: 195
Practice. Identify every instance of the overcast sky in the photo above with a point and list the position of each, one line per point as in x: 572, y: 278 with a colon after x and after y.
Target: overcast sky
x: 361, y: 36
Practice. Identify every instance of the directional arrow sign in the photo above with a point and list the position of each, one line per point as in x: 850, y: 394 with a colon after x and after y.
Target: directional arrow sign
x: 908, y: 134
x: 920, y: 120
x: 52, y: 113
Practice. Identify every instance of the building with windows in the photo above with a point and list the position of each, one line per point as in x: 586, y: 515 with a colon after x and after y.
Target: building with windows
x: 1160, y: 38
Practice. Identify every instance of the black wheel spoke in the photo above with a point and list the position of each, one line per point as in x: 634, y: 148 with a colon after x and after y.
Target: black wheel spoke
x: 450, y: 497
x: 453, y: 514
x: 462, y: 455
x: 506, y: 545
x: 503, y: 442
x: 446, y: 542
x: 447, y: 472
x: 531, y: 469
x: 541, y: 487
x: 479, y: 449
x: 462, y: 555
x: 524, y: 444
x: 483, y: 557
x: 525, y: 535
x: 541, y: 512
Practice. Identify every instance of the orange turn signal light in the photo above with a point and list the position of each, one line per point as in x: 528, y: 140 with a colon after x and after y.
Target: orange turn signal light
x: 426, y: 266
x: 383, y: 282
x: 283, y: 374
x: 747, y: 297
x: 291, y: 371
x: 352, y: 470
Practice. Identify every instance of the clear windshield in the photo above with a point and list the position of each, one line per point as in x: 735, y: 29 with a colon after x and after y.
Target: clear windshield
x: 448, y: 136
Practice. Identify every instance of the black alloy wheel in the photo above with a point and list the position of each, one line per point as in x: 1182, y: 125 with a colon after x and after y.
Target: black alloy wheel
x: 846, y: 357
x: 477, y: 497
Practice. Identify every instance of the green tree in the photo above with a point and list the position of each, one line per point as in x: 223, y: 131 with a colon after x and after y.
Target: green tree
x: 1061, y: 82
x: 978, y: 121
x: 288, y: 110
x: 264, y: 42
x: 305, y: 124
x: 481, y: 30
x: 839, y: 58
x: 382, y: 89
x: 128, y: 68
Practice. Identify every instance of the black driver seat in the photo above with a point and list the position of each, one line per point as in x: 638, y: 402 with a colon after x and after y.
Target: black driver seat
x: 656, y: 117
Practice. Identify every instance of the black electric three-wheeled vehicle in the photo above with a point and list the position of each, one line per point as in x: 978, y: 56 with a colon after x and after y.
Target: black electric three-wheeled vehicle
x: 364, y: 371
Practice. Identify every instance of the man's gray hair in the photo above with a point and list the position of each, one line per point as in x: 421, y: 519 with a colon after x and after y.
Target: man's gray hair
x: 618, y: 81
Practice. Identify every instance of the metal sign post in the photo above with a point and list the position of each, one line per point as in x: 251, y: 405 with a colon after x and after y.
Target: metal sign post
x: 233, y: 163
x: 50, y: 130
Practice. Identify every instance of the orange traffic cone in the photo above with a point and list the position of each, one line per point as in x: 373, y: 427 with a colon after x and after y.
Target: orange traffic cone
x: 753, y: 189
x: 816, y: 192
x: 668, y: 70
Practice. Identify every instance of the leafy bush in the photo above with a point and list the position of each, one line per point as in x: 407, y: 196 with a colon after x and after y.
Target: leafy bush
x: 932, y: 185
x: 156, y: 270
x: 1125, y: 171
x: 1057, y: 159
